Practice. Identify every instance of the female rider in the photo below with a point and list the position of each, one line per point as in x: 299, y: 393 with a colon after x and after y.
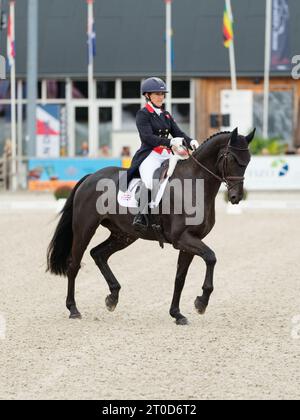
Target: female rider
x: 155, y: 126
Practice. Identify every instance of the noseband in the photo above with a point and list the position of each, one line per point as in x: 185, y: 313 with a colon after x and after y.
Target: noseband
x: 226, y: 179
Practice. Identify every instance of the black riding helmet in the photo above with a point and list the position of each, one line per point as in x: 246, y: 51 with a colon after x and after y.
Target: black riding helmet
x: 153, y: 84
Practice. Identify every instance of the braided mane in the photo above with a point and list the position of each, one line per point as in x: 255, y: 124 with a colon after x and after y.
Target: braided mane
x: 210, y: 138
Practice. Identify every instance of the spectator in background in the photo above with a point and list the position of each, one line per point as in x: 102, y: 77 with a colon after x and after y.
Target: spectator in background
x: 298, y: 150
x: 84, y: 150
x: 105, y: 150
x: 7, y: 151
x: 7, y: 154
x: 126, y: 152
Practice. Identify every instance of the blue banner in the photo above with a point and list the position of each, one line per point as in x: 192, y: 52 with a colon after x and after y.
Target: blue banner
x: 66, y: 169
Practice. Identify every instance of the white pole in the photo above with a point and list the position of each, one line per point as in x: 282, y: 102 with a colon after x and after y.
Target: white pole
x: 169, y: 54
x: 93, y: 149
x: 32, y: 74
x: 19, y: 130
x: 14, y: 180
x: 267, y: 68
x: 231, y: 51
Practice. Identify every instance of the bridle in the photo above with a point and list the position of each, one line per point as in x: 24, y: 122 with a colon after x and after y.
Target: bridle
x: 226, y: 179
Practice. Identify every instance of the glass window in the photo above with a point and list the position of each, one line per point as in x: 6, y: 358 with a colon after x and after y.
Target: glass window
x: 181, y: 114
x: 280, y: 115
x: 80, y: 90
x: 56, y: 89
x: 128, y: 116
x: 106, y: 90
x: 105, y: 130
x: 181, y: 89
x: 4, y: 89
x: 131, y: 90
x: 39, y: 90
x: 5, y: 128
x: 82, y: 131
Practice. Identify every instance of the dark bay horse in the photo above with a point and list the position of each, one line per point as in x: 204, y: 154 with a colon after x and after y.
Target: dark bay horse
x: 222, y: 158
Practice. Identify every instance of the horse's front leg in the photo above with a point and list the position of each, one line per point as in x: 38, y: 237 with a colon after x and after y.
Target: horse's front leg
x: 209, y: 257
x: 184, y: 261
x: 194, y: 245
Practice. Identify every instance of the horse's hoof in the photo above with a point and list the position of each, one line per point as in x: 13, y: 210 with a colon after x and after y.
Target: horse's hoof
x: 200, y: 306
x: 110, y: 304
x: 75, y: 315
x: 182, y: 321
x: 201, y: 311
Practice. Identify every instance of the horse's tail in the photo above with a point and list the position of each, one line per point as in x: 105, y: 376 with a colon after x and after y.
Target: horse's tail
x: 60, y: 246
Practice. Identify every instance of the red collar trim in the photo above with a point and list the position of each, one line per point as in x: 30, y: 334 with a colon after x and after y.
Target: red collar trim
x: 149, y: 108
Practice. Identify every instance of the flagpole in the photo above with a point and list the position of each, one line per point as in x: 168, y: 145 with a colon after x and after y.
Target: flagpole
x: 169, y: 54
x: 231, y: 51
x: 32, y: 75
x: 267, y: 68
x: 93, y: 149
x: 14, y: 180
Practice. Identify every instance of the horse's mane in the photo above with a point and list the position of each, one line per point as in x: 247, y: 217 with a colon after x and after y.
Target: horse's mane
x: 210, y: 138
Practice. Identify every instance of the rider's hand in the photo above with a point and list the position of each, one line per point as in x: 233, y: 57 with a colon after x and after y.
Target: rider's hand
x: 194, y: 144
x: 176, y: 142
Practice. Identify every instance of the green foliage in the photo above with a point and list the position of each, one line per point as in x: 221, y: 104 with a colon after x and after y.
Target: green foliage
x: 272, y: 147
x: 62, y: 192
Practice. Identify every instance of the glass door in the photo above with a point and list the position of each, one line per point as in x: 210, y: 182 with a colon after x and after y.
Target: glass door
x: 81, y: 121
x: 105, y: 128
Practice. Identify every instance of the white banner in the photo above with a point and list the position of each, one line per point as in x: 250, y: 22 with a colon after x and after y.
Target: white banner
x: 239, y: 105
x: 273, y: 173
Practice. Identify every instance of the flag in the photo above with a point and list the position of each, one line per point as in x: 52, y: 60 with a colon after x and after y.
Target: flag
x: 11, y: 53
x: 91, y: 34
x: 172, y: 48
x: 227, y: 28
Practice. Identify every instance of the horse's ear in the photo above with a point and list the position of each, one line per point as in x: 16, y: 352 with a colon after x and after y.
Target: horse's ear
x: 250, y: 136
x: 234, y: 137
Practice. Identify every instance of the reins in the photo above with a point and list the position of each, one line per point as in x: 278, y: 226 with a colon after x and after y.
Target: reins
x: 226, y: 179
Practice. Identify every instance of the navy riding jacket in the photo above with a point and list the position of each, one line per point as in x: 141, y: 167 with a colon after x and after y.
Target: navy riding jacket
x: 154, y: 131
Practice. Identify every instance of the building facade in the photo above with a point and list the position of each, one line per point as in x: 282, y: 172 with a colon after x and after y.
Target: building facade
x: 130, y: 47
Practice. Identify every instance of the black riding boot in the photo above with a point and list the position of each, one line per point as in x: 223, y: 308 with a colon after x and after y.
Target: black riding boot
x: 141, y: 220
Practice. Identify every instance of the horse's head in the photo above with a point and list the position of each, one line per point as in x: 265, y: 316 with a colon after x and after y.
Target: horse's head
x: 232, y: 164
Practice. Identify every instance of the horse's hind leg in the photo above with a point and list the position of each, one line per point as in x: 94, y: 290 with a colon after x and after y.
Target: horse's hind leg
x: 80, y: 243
x: 101, y: 254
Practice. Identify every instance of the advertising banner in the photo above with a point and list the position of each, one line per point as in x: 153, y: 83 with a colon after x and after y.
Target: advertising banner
x: 49, y: 174
x: 273, y: 173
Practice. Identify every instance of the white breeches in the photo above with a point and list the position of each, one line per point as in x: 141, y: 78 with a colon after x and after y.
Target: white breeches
x: 150, y: 164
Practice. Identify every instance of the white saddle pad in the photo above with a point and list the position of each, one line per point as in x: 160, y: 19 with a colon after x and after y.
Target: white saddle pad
x: 127, y: 198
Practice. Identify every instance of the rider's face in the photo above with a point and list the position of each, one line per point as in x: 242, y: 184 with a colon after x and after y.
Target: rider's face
x: 157, y: 98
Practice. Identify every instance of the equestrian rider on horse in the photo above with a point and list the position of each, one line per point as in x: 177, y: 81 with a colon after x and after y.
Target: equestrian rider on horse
x: 155, y: 126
